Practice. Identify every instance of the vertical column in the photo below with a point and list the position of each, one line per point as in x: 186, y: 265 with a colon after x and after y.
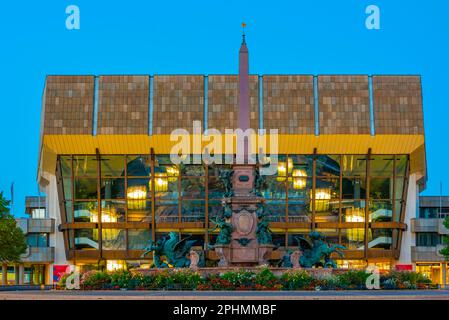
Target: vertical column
x: 371, y: 105
x: 444, y: 275
x: 316, y: 105
x: 150, y: 106
x: 21, y: 273
x: 153, y: 196
x: 206, y: 209
x: 313, y: 188
x: 367, y: 181
x: 287, y: 185
x: 340, y: 198
x: 100, y: 219
x: 260, y: 102
x: 125, y: 166
x: 71, y: 232
x: 16, y: 273
x: 95, y: 115
x: 4, y: 274
x: 206, y: 103
x: 394, y: 232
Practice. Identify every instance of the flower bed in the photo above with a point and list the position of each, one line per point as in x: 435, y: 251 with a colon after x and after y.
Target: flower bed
x: 261, y: 279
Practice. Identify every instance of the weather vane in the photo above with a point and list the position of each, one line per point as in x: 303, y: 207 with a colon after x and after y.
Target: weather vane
x: 243, y: 30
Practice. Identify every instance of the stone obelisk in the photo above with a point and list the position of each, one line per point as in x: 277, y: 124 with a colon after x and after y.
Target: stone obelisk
x: 244, y: 100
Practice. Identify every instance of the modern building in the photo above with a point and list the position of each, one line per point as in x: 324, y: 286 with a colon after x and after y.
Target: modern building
x: 351, y: 161
x: 36, y: 266
x: 429, y: 233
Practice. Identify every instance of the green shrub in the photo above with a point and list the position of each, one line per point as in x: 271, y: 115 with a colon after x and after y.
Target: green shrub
x: 352, y: 279
x: 95, y: 280
x: 240, y: 279
x: 266, y: 280
x: 122, y: 279
x: 404, y: 280
x: 263, y: 279
x: 326, y: 282
x: 296, y: 280
x: 185, y: 279
x: 215, y: 282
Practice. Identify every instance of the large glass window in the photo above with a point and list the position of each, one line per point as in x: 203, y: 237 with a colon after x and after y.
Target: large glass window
x: 113, y: 239
x: 380, y: 239
x: 138, y: 239
x: 113, y: 211
x: 86, y: 239
x: 85, y: 211
x: 85, y: 166
x: 337, y: 192
x: 112, y: 166
x: 86, y: 188
x: 37, y: 239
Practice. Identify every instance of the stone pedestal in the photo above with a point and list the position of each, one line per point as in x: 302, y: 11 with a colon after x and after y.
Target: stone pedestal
x: 223, y: 253
x: 244, y: 249
x: 264, y: 253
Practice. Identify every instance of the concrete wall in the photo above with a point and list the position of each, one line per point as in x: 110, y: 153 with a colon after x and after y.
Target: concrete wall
x: 56, y: 238
x: 408, y: 237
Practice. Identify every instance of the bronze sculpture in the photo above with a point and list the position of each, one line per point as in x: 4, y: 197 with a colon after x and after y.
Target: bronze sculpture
x: 174, y: 250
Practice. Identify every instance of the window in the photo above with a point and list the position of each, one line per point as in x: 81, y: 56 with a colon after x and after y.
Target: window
x: 433, y: 212
x: 38, y: 213
x: 113, y: 239
x: 427, y: 239
x: 138, y: 238
x: 35, y: 240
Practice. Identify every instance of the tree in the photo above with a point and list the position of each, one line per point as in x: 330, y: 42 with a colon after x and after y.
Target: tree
x: 12, y: 239
x: 445, y: 251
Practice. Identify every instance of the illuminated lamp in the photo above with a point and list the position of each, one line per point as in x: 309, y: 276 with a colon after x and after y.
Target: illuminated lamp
x: 108, y: 215
x: 160, y: 182
x: 322, y: 197
x: 284, y: 168
x: 299, y: 183
x: 355, y: 215
x: 93, y: 216
x: 112, y: 265
x: 172, y: 173
x: 137, y: 197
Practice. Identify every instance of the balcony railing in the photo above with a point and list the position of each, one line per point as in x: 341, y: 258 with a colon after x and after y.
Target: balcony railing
x: 427, y: 254
x: 39, y: 254
x: 428, y: 225
x: 36, y: 225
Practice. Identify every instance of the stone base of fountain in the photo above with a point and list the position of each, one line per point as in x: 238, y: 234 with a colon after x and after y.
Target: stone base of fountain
x: 243, y: 256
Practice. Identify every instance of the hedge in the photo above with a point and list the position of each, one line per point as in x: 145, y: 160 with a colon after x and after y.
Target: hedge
x: 263, y: 279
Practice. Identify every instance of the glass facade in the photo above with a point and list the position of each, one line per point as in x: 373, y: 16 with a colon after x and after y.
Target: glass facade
x: 119, y: 202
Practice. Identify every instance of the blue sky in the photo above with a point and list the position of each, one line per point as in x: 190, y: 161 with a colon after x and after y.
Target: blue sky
x: 164, y: 37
